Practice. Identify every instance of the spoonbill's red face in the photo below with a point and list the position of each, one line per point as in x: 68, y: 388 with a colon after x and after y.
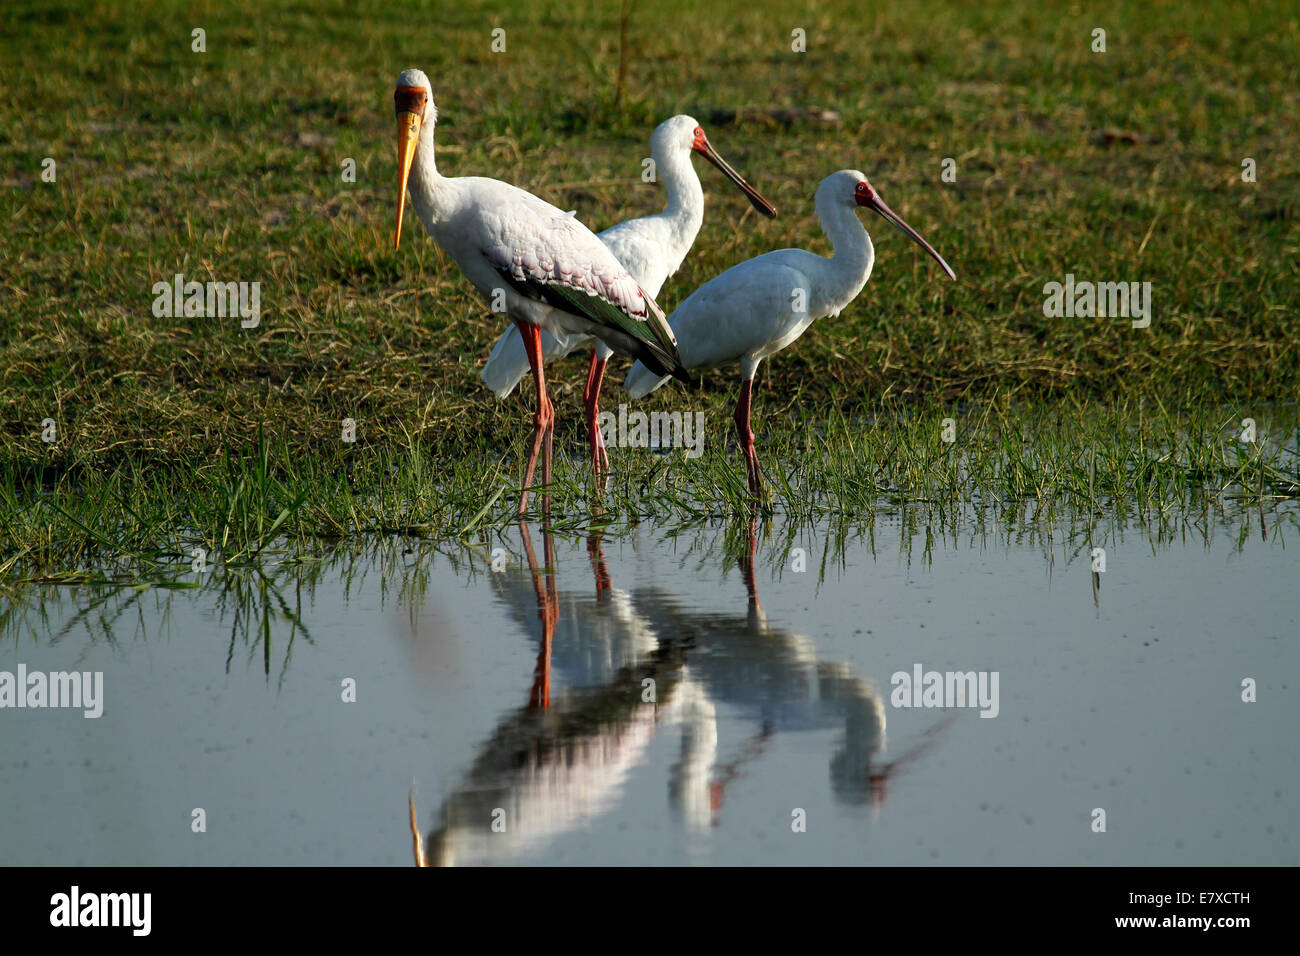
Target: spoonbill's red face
x: 864, y: 195
x: 700, y: 144
x: 412, y: 104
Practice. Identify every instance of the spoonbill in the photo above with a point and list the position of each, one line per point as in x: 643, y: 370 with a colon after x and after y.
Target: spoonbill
x: 539, y: 265
x: 760, y: 306
x: 651, y: 247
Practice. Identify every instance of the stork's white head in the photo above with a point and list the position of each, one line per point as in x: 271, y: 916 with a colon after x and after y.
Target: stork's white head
x: 849, y: 187
x: 681, y: 133
x: 414, y: 81
x: 413, y: 100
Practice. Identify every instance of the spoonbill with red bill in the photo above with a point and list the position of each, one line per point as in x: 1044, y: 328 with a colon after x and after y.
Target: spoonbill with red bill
x: 756, y: 308
x: 652, y: 248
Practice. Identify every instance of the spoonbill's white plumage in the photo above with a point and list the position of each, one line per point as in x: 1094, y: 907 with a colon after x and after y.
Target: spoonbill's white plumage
x: 651, y: 248
x: 760, y: 306
x: 547, y: 269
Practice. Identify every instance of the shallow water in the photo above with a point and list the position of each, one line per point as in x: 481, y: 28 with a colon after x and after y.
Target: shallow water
x: 680, y: 696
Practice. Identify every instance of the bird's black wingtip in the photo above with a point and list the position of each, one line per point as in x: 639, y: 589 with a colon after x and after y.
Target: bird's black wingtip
x: 662, y: 363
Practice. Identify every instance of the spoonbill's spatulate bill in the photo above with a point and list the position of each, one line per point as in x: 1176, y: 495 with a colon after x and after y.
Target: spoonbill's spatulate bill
x: 760, y: 306
x: 547, y: 269
x: 651, y: 248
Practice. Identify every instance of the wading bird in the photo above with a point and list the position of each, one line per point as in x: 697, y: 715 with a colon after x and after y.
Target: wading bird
x: 727, y: 683
x: 760, y: 306
x: 539, y: 265
x: 651, y: 247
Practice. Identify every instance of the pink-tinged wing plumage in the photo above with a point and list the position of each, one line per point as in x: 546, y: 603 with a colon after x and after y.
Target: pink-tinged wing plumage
x: 498, y: 233
x: 550, y: 247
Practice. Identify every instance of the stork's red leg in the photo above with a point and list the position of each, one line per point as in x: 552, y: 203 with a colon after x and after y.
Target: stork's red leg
x: 746, y: 435
x: 547, y: 612
x: 591, y: 400
x: 547, y: 442
x: 545, y: 419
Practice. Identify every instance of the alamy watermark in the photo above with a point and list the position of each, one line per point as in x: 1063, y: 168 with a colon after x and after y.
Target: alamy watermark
x: 77, y: 689
x: 213, y: 300
x: 127, y: 910
x: 655, y: 430
x: 922, y: 688
x: 1098, y: 300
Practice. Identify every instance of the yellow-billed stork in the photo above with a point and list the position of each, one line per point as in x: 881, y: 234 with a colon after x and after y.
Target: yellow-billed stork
x: 544, y: 267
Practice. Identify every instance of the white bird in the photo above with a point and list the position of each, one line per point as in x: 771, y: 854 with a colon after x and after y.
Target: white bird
x: 553, y: 768
x: 536, y: 263
x: 651, y: 248
x: 760, y: 306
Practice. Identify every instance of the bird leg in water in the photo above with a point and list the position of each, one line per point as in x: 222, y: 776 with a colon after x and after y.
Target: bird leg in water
x: 544, y: 423
x: 548, y: 611
x: 591, y: 400
x: 603, y: 582
x: 746, y: 435
x: 747, y: 563
x: 418, y: 844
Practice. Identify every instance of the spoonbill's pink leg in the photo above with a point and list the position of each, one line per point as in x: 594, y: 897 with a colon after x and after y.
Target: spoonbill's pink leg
x: 746, y: 435
x: 544, y: 422
x: 591, y: 400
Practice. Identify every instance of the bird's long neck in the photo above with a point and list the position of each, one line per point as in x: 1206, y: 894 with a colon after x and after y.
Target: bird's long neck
x: 685, y: 210
x: 854, y: 253
x: 426, y: 182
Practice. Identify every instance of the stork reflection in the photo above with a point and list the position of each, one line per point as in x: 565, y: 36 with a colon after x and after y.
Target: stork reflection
x: 615, y: 668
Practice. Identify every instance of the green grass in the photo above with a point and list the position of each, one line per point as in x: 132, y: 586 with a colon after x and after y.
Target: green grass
x: 1145, y: 464
x: 264, y: 601
x: 226, y: 165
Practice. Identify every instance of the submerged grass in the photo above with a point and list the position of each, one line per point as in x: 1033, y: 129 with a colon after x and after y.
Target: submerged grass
x: 1138, y: 462
x: 266, y: 603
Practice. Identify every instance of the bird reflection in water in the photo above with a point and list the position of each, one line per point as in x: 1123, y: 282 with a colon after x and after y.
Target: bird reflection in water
x: 627, y: 664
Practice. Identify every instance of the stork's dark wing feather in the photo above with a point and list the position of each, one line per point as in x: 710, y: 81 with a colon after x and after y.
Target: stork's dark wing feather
x: 553, y: 258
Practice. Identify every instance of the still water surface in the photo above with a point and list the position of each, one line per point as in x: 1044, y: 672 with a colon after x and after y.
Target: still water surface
x: 669, y: 696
